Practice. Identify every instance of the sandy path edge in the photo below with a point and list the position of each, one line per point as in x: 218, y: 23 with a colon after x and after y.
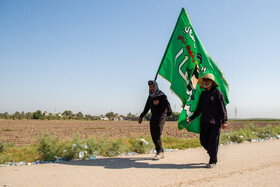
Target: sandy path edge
x: 247, y: 164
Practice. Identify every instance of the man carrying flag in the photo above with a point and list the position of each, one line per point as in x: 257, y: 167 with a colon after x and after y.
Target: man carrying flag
x: 214, y: 116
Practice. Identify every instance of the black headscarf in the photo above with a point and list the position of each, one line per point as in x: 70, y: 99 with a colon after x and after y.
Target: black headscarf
x: 157, y: 92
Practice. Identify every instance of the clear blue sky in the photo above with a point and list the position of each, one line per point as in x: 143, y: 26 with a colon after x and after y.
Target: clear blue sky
x: 97, y: 56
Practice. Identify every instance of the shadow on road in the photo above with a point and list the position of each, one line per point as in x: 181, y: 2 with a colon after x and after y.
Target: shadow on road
x: 122, y: 163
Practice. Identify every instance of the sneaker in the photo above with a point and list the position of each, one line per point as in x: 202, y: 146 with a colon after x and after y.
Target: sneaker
x: 159, y: 156
x: 210, y: 165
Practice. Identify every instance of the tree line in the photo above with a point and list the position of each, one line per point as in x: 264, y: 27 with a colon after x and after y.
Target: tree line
x: 69, y: 115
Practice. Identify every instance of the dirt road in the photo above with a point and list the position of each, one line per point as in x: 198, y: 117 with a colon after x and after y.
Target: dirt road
x: 247, y: 164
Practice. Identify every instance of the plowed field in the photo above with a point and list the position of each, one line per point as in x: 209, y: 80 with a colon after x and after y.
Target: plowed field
x: 22, y: 132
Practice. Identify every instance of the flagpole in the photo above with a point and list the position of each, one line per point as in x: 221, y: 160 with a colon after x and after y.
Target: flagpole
x: 183, y: 10
x: 156, y: 77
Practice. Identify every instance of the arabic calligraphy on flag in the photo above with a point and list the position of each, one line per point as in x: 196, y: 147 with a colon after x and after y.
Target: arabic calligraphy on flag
x: 184, y: 61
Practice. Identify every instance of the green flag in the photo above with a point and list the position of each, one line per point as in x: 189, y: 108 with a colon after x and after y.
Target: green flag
x: 184, y: 61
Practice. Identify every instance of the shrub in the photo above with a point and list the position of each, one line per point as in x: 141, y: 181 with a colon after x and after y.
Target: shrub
x: 72, y: 150
x: 265, y: 132
x: 1, y: 147
x: 111, y: 147
x: 252, y: 127
x: 139, y: 146
x: 117, y: 146
x: 225, y: 138
x: 4, y: 157
x: 48, y: 146
x: 247, y: 134
x: 235, y: 137
x: 92, y: 146
x: 276, y: 129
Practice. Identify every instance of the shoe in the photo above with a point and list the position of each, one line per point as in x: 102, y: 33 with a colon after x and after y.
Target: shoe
x: 159, y: 156
x: 210, y: 165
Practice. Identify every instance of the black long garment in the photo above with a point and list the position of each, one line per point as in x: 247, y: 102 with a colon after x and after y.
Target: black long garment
x: 212, y: 106
x: 159, y: 113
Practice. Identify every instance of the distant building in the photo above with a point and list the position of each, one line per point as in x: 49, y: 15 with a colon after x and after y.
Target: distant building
x: 104, y: 118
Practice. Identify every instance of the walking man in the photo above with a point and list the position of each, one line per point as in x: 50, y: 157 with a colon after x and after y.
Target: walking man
x: 213, y: 112
x: 160, y: 109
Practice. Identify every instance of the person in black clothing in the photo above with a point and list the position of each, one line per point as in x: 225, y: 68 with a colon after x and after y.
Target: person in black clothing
x: 213, y: 112
x: 160, y: 108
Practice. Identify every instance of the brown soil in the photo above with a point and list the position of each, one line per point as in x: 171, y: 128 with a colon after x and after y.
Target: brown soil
x: 23, y: 132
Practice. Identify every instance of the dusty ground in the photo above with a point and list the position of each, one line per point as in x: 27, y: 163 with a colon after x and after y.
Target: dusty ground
x: 22, y: 132
x: 247, y: 164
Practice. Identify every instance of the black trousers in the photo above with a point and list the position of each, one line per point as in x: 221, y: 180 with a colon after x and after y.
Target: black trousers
x: 156, y: 128
x: 209, y: 139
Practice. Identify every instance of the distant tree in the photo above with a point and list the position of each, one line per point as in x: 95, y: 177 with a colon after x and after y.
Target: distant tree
x: 173, y: 117
x: 91, y: 117
x: 96, y: 117
x: 131, y: 117
x: 50, y: 117
x: 28, y: 115
x: 88, y: 117
x: 16, y: 115
x: 111, y: 115
x: 148, y: 116
x: 128, y: 116
x: 6, y: 115
x: 37, y: 115
x: 21, y: 116
x: 57, y: 116
x: 80, y: 115
x: 68, y: 113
